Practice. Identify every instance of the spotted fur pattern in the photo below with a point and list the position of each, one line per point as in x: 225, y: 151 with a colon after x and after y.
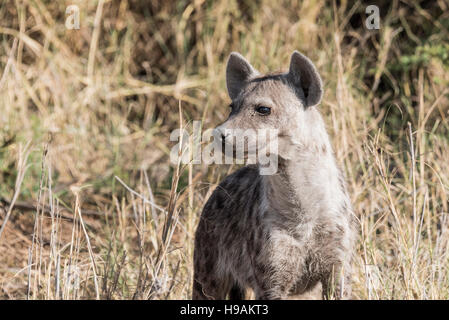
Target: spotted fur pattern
x: 288, y: 235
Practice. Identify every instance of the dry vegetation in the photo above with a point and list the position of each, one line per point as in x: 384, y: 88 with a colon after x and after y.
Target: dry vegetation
x: 91, y: 206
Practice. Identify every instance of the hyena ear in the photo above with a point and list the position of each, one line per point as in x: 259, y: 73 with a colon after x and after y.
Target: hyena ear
x: 303, y: 74
x: 238, y: 72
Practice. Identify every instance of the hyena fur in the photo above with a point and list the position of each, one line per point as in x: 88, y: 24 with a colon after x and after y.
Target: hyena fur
x: 289, y: 235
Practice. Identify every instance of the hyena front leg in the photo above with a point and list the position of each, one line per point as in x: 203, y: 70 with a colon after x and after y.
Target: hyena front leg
x: 312, y: 291
x: 276, y: 287
x: 278, y: 280
x: 209, y: 289
x: 207, y: 283
x: 263, y: 292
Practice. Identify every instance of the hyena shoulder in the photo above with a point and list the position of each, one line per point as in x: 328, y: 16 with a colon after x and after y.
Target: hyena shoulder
x: 235, y: 193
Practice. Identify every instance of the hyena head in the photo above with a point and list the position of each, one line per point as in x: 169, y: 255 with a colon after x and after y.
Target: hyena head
x: 282, y: 104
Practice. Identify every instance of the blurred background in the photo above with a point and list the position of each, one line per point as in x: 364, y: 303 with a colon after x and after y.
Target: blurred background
x: 92, y: 208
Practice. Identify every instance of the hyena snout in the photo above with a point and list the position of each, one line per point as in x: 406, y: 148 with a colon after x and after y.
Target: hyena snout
x: 236, y: 143
x: 221, y: 135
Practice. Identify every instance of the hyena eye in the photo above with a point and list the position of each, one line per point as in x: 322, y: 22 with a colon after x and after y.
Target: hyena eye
x: 263, y: 110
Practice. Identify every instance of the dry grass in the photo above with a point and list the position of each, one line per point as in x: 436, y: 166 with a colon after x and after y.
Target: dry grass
x: 90, y: 205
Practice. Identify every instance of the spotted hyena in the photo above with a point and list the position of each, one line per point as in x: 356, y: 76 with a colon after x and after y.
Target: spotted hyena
x: 286, y: 235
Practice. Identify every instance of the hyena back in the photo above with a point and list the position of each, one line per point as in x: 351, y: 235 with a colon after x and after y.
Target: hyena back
x: 286, y: 235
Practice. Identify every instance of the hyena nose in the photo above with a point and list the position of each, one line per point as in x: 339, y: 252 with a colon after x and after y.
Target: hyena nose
x: 220, y: 134
x: 223, y: 141
x: 223, y: 137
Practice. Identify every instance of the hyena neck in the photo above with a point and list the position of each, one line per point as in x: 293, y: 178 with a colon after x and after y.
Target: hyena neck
x: 307, y: 184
